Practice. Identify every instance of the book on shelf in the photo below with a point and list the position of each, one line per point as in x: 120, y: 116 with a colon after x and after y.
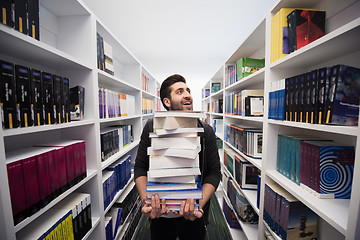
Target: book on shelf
x: 100, y: 52
x: 246, y: 66
x: 8, y: 96
x: 33, y: 19
x: 77, y: 103
x: 115, y: 214
x: 342, y: 105
x: 66, y: 100
x: 328, y: 168
x: 304, y: 27
x: 58, y: 98
x: 108, y: 58
x: 254, y: 106
x: 322, y: 89
x: 246, y: 174
x: 229, y: 156
x: 48, y: 98
x: 231, y: 75
x: 21, y: 17
x: 215, y: 87
x: 36, y: 97
x: 230, y: 215
x: 240, y: 204
x: 23, y: 99
x: 279, y: 99
x: 6, y: 13
x: 108, y: 228
x: 288, y: 217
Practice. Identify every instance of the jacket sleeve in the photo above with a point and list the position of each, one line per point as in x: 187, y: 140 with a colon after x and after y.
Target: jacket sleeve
x: 212, y: 159
x: 142, y: 159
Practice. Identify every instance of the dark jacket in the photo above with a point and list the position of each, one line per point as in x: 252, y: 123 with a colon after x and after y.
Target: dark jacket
x: 208, y: 157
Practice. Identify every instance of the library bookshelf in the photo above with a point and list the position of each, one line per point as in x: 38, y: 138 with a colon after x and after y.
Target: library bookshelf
x: 338, y: 218
x: 68, y: 47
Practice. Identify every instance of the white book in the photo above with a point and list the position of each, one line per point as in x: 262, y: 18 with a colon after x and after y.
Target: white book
x: 154, y: 186
x: 175, y: 152
x: 189, y: 134
x: 176, y: 179
x: 174, y: 122
x: 190, y: 114
x: 173, y: 172
x: 181, y: 194
x: 157, y: 162
x: 178, y: 142
x: 161, y: 132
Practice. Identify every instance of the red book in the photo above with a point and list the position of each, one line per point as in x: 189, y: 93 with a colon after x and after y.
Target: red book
x: 70, y: 168
x: 17, y: 189
x: 83, y: 158
x: 31, y: 183
x: 61, y: 168
x: 44, y: 178
x: 54, y: 174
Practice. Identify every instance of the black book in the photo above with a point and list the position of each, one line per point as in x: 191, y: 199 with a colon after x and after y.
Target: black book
x: 291, y: 99
x: 98, y: 51
x: 66, y: 100
x: 33, y: 18
x: 313, y: 96
x: 342, y: 104
x: 296, y: 98
x: 77, y: 99
x: 21, y: 16
x: 8, y: 96
x: 5, y: 13
x: 36, y: 97
x: 307, y: 97
x: 102, y: 54
x: 301, y: 100
x: 23, y: 98
x: 48, y: 98
x: 323, y: 85
x: 58, y: 98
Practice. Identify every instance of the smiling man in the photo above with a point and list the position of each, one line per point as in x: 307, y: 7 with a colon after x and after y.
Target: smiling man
x: 187, y: 224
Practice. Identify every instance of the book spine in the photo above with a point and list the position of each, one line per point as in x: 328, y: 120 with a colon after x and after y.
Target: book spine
x: 36, y: 98
x: 33, y: 19
x: 31, y: 184
x: 48, y: 98
x: 21, y: 16
x: 8, y: 96
x: 23, y: 95
x: 43, y: 178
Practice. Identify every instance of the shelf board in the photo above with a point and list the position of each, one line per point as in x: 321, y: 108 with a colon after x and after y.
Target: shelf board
x: 43, y: 128
x: 218, y: 94
x: 21, y: 46
x: 119, y: 154
x: 112, y: 81
x: 254, y: 79
x: 123, y: 192
x: 318, y: 51
x: 27, y: 221
x: 250, y: 230
x: 250, y: 195
x: 256, y: 162
x: 345, y: 130
x: 114, y: 119
x: 252, y: 119
x: 148, y: 95
x: 337, y: 217
x: 217, y: 114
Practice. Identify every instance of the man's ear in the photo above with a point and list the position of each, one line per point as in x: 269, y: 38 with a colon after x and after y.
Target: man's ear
x: 167, y: 102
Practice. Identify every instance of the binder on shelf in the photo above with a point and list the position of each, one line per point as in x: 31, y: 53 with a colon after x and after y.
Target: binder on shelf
x: 33, y: 18
x: 342, y: 104
x: 5, y: 13
x: 8, y: 96
x: 48, y: 98
x: 66, y: 100
x: 77, y: 103
x: 21, y: 17
x: 36, y: 98
x: 23, y: 97
x: 58, y: 98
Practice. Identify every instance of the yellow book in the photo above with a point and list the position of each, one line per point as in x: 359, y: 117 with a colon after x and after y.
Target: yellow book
x: 272, y: 45
x: 275, y: 37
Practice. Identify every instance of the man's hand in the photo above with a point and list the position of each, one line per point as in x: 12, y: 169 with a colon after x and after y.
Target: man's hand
x: 188, y: 212
x: 155, y: 209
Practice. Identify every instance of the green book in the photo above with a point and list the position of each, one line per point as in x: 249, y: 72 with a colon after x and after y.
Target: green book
x: 246, y: 66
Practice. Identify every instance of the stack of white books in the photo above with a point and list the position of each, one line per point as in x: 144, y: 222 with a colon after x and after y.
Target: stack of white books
x: 174, y: 158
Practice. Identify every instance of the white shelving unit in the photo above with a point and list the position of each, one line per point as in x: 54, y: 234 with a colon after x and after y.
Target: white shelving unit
x: 68, y: 47
x: 339, y: 218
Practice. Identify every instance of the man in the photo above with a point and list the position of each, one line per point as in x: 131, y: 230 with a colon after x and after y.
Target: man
x: 187, y: 223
